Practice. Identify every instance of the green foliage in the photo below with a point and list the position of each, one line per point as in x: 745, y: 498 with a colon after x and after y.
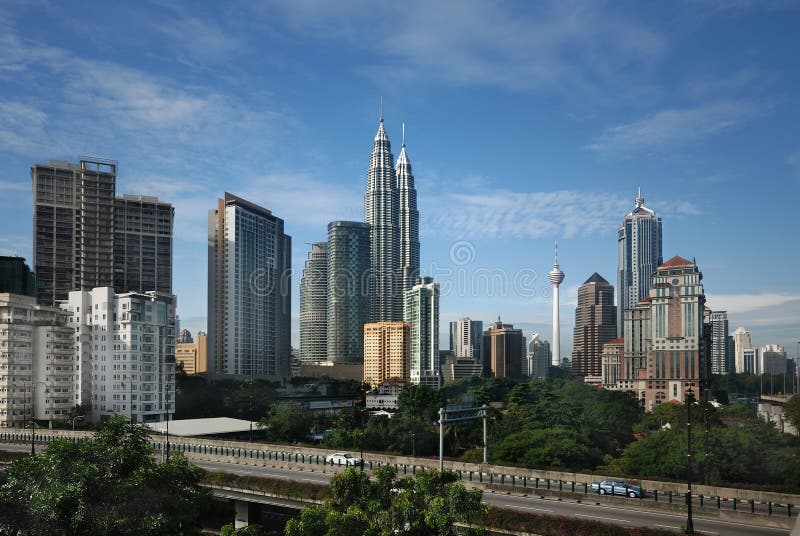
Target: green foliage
x: 286, y: 422
x: 557, y: 448
x: 249, y: 530
x: 196, y: 398
x: 111, y: 485
x: 792, y: 411
x: 427, y: 505
x: 279, y: 487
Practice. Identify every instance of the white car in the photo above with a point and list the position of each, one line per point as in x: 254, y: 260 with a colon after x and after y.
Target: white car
x: 341, y: 458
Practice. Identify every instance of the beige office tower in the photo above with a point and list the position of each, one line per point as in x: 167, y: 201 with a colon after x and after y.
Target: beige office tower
x: 73, y: 226
x: 503, y: 348
x: 193, y: 355
x: 386, y: 352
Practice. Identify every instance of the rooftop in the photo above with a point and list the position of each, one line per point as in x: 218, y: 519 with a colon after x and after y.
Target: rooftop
x: 201, y: 427
x: 676, y: 261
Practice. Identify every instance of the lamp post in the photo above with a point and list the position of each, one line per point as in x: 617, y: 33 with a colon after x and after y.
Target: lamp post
x: 689, y: 401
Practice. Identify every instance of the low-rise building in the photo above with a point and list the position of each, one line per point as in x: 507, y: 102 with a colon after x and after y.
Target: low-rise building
x: 193, y: 356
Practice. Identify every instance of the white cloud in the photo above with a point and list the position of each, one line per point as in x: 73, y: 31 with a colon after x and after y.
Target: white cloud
x: 794, y: 161
x: 741, y: 303
x: 674, y: 127
x: 551, y: 46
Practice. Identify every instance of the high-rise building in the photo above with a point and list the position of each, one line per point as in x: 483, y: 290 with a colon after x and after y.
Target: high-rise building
x: 249, y: 298
x: 126, y: 348
x: 73, y: 226
x: 408, y: 219
x: 595, y: 325
x: 314, y: 305
x: 381, y: 213
x: 387, y: 348
x: 421, y: 311
x: 751, y: 361
x: 639, y: 255
x: 184, y: 336
x: 741, y: 342
x: 466, y: 337
x: 539, y: 357
x: 142, y: 244
x: 556, y: 276
x: 613, y: 356
x: 719, y: 342
x: 16, y: 277
x: 39, y: 371
x: 348, y: 290
x: 773, y: 359
x: 193, y: 354
x: 503, y: 348
x: 678, y: 304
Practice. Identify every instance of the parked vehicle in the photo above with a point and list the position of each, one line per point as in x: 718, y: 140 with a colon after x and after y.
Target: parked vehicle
x: 617, y: 487
x: 341, y: 458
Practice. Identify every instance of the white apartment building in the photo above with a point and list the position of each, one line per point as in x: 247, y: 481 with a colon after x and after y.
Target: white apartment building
x: 38, y: 367
x: 126, y: 347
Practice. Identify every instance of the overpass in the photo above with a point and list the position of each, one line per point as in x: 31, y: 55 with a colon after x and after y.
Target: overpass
x: 553, y: 492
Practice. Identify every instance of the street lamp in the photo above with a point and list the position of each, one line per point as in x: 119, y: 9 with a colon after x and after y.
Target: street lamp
x: 689, y: 401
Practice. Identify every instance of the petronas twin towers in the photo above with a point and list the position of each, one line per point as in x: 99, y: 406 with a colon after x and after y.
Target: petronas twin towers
x: 390, y: 209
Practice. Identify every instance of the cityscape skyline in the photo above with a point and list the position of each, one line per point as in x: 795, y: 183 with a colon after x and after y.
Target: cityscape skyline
x: 697, y: 156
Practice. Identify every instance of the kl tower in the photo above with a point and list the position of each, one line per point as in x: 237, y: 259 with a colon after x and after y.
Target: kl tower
x: 556, y: 276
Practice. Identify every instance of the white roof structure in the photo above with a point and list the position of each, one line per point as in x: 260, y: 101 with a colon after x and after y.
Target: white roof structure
x: 201, y: 427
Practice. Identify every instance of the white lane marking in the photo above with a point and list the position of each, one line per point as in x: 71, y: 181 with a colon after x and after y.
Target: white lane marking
x: 526, y: 508
x: 666, y: 526
x: 606, y: 518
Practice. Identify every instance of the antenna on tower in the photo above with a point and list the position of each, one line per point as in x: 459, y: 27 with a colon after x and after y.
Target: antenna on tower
x: 404, y: 133
x: 556, y: 252
x: 381, y: 111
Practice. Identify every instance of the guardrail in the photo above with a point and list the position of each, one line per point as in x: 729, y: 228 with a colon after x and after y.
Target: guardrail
x: 522, y: 480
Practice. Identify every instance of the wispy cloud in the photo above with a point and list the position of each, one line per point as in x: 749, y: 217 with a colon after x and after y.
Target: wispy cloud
x: 674, y: 127
x: 794, y: 161
x: 740, y: 303
x: 550, y: 46
x: 498, y: 213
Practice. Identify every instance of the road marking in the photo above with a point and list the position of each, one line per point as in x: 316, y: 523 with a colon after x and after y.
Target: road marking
x: 667, y: 526
x: 526, y: 508
x: 606, y: 518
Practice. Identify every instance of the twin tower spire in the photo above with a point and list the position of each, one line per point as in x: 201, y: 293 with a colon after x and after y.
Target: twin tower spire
x: 390, y: 208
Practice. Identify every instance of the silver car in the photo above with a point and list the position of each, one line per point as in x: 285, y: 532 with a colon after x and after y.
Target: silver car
x: 616, y: 487
x: 341, y: 458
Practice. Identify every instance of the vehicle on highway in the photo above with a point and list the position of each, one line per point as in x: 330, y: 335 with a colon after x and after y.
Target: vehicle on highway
x: 616, y: 487
x: 341, y: 458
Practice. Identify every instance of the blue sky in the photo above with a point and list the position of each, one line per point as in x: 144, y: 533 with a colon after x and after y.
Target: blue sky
x: 526, y: 122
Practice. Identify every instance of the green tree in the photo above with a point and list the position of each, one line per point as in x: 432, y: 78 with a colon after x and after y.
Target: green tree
x: 287, y: 422
x: 109, y: 485
x: 427, y: 505
x: 792, y: 411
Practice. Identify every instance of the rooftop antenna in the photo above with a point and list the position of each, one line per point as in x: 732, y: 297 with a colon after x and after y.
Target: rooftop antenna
x: 556, y: 252
x: 381, y: 108
x: 404, y: 134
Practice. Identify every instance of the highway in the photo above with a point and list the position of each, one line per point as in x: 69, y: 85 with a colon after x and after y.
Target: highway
x: 606, y: 514
x: 550, y: 506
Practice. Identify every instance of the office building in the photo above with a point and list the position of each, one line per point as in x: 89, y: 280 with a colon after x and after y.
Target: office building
x: 314, y: 305
x: 742, y: 341
x: 466, y: 338
x: 421, y: 312
x: 249, y: 298
x: 719, y: 343
x: 193, y: 355
x: 142, y: 244
x: 678, y: 303
x: 381, y: 213
x: 503, y: 348
x: 184, y: 336
x: 595, y: 325
x: 773, y: 359
x: 408, y: 219
x: 539, y: 358
x: 387, y: 348
x: 556, y: 277
x: 612, y: 356
x: 73, y: 225
x: 456, y: 368
x: 39, y: 372
x: 348, y: 290
x: 16, y: 277
x: 639, y: 244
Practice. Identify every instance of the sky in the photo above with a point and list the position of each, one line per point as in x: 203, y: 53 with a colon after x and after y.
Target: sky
x: 526, y: 123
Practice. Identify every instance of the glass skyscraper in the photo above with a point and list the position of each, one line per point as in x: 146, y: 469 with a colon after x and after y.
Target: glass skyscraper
x: 421, y: 312
x: 249, y: 298
x: 314, y: 305
x: 639, y: 257
x: 348, y: 291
